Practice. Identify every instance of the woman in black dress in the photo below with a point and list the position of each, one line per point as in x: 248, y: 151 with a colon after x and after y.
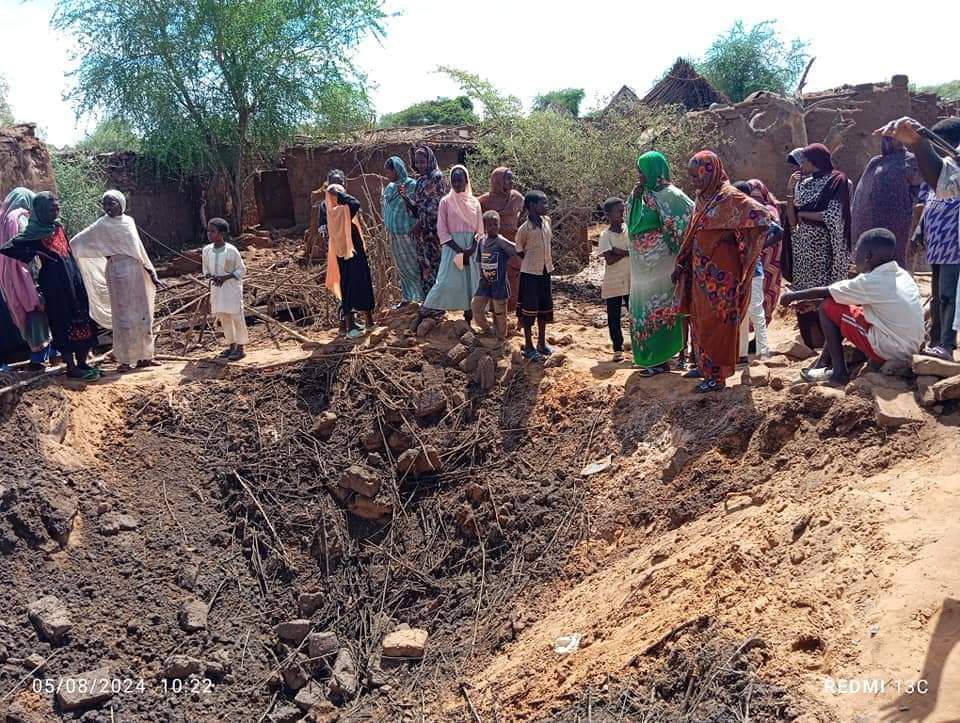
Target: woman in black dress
x: 64, y: 295
x: 348, y: 272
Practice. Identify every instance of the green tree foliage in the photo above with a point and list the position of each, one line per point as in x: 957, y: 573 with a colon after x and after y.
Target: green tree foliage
x: 111, y: 135
x: 947, y: 91
x: 210, y: 84
x: 568, y: 98
x: 341, y: 107
x: 81, y: 184
x: 442, y: 111
x: 6, y: 112
x: 743, y: 61
x: 578, y: 163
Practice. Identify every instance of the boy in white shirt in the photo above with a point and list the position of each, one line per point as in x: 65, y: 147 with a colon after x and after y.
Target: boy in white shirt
x: 614, y: 246
x: 879, y: 311
x: 223, y: 265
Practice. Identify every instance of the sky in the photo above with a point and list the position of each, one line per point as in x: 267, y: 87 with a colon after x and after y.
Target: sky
x: 525, y: 47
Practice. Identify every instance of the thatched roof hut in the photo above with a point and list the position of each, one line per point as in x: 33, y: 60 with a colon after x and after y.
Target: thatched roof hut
x: 683, y: 85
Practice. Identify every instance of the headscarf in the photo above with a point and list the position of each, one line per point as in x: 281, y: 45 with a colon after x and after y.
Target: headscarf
x: 719, y: 205
x: 43, y: 221
x: 465, y: 204
x: 431, y: 160
x: 19, y: 197
x: 107, y: 236
x: 396, y: 215
x: 760, y: 192
x: 340, y: 232
x: 642, y: 218
x: 509, y: 204
x: 795, y: 157
x: 499, y: 198
x: 838, y: 187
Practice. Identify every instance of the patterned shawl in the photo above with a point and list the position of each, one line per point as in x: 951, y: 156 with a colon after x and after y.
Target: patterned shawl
x: 396, y: 215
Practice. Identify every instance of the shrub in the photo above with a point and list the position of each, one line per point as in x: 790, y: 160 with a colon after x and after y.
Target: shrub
x: 81, y: 183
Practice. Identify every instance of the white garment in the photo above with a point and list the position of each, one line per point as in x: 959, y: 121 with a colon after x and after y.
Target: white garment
x: 891, y: 303
x: 948, y: 185
x: 234, y: 328
x: 616, y: 277
x: 757, y: 317
x: 131, y: 301
x: 227, y: 298
x: 109, y: 236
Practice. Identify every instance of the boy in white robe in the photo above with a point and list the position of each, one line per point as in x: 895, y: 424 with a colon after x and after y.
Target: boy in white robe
x: 223, y: 265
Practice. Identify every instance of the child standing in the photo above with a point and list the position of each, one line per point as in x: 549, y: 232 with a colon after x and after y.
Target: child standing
x: 614, y: 246
x: 879, y: 311
x: 535, y: 299
x: 494, y: 287
x: 223, y: 265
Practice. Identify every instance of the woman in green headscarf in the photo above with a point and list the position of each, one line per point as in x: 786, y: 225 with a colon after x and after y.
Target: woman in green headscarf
x: 399, y: 221
x: 659, y: 214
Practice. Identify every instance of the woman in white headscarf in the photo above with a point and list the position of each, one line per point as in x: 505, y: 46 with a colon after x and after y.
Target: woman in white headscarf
x: 121, y: 281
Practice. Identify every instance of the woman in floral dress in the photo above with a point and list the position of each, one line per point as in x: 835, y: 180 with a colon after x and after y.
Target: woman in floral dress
x: 659, y: 214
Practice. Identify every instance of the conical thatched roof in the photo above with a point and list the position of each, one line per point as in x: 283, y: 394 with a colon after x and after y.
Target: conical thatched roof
x: 683, y: 85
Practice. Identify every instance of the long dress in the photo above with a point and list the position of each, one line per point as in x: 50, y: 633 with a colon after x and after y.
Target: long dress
x: 18, y: 289
x: 61, y: 285
x: 119, y: 279
x: 716, y: 265
x: 508, y: 205
x: 455, y: 286
x: 352, y: 282
x: 431, y: 187
x: 656, y: 329
x: 886, y: 194
x: 399, y: 221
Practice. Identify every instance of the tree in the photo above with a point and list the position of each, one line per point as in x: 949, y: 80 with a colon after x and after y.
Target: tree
x: 442, y: 111
x: 81, y: 184
x: 6, y: 113
x: 111, y: 135
x: 568, y: 98
x: 210, y: 84
x: 741, y: 61
x: 948, y: 92
x: 341, y: 107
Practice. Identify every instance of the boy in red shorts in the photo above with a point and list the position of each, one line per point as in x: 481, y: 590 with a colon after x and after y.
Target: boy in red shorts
x: 879, y: 311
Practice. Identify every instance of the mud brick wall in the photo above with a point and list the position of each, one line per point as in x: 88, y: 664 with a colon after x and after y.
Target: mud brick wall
x: 24, y: 160
x: 748, y: 155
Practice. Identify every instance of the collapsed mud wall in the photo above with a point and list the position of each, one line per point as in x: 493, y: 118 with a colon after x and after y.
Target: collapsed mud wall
x: 747, y: 154
x: 24, y: 160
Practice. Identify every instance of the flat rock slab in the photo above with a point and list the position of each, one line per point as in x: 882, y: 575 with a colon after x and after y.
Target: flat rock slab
x: 361, y: 480
x: 405, y: 643
x: 193, y: 615
x: 320, y: 645
x: 934, y: 367
x: 431, y: 403
x: 294, y: 631
x: 756, y: 376
x: 368, y: 509
x: 181, y: 666
x: 113, y: 523
x: 344, y: 679
x: 84, y: 690
x: 312, y: 693
x: 51, y: 618
x: 895, y: 408
x: 795, y: 350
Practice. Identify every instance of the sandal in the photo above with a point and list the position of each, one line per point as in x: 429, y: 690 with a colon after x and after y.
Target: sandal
x: 709, y: 385
x: 693, y: 374
x: 655, y: 371
x: 225, y: 354
x: 144, y: 363
x: 124, y: 368
x: 939, y: 352
x: 532, y: 355
x: 815, y: 375
x: 545, y: 350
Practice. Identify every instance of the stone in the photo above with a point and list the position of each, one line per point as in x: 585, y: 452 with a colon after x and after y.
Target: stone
x: 320, y: 645
x: 378, y: 335
x: 934, y: 367
x: 182, y: 666
x: 35, y: 663
x: 777, y: 383
x: 218, y: 663
x: 343, y: 681
x: 425, y: 327
x: 368, y: 509
x: 469, y: 339
x: 293, y: 632
x: 462, y: 327
x: 431, y: 403
x: 778, y: 361
x: 418, y: 462
x: 309, y: 602
x: 946, y: 389
x: 84, y: 690
x: 285, y: 714
x: 372, y: 441
x: 896, y: 369
x: 565, y: 340
x: 557, y: 359
x: 470, y: 364
x: 796, y: 350
x: 896, y: 407
x: 59, y: 513
x: 405, y: 643
x: 187, y: 575
x: 295, y: 674
x: 756, y: 376
x: 457, y: 354
x: 361, y: 480
x: 51, y: 618
x: 400, y: 441
x: 323, y: 428
x: 312, y: 693
x: 818, y: 399
x: 876, y: 379
x: 487, y: 373
x: 193, y: 615
x: 113, y: 523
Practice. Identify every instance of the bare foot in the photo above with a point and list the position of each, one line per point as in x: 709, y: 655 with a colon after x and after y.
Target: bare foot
x: 123, y: 368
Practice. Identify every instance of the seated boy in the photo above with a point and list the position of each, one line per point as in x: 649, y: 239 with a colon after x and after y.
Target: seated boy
x: 879, y: 310
x: 494, y: 287
x: 614, y: 246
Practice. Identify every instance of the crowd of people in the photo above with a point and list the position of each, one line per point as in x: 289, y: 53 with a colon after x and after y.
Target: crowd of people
x: 695, y: 275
